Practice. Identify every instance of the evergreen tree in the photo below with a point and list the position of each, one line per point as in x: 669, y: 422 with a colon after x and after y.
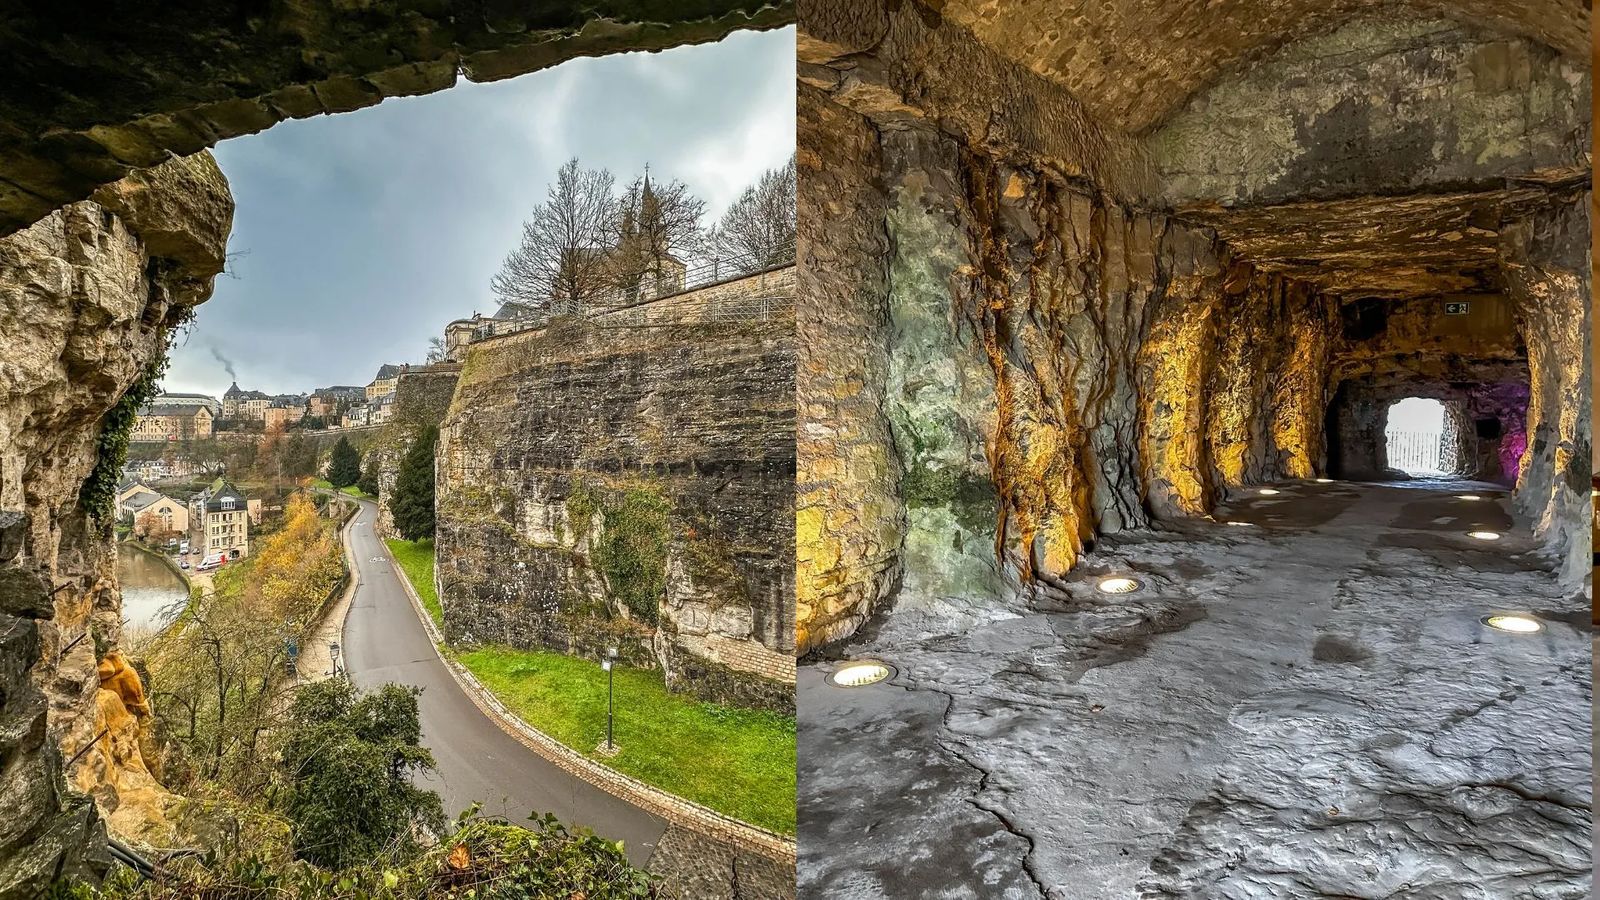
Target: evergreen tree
x: 348, y: 760
x: 344, y: 467
x: 369, y: 476
x: 412, y: 502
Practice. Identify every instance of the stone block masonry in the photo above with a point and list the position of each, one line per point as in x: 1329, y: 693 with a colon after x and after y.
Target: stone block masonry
x: 602, y: 486
x: 421, y: 398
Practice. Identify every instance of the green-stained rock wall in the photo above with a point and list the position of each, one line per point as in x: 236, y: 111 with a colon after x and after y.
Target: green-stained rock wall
x: 630, y: 487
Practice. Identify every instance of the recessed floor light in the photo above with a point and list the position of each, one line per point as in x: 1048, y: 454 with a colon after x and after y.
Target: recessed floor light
x: 859, y: 673
x: 1324, y: 481
x: 1118, y: 584
x: 1514, y: 623
x: 1242, y: 524
x: 1268, y: 491
x: 1484, y: 535
x: 1468, y: 497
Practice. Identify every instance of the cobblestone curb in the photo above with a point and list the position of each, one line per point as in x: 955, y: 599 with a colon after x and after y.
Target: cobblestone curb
x: 685, y: 813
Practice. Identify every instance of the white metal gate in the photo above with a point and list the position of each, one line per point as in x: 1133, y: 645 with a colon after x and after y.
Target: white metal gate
x: 1414, y: 451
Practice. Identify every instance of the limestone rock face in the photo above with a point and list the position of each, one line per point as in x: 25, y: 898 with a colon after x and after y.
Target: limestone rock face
x: 85, y: 304
x: 849, y: 514
x: 1341, y: 115
x: 1549, y: 281
x: 1092, y: 306
x: 1133, y: 63
x: 603, y: 486
x: 1052, y: 366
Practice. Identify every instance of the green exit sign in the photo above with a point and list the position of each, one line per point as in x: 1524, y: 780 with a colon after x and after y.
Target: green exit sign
x: 1457, y: 308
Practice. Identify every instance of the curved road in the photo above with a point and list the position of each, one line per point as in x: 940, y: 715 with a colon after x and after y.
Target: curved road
x: 475, y: 761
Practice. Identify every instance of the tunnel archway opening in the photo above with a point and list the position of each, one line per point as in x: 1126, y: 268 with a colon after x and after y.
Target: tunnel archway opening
x: 1414, y: 437
x: 1395, y: 430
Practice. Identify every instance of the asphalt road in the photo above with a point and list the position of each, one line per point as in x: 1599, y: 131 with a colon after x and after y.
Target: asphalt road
x: 476, y: 762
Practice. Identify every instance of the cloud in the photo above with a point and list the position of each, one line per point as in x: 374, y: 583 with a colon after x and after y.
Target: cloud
x: 370, y: 230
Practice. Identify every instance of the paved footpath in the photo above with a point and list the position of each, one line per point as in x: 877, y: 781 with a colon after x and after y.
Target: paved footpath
x: 384, y: 641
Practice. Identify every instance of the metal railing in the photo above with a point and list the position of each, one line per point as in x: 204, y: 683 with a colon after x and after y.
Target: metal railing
x: 611, y: 303
x: 1414, y: 451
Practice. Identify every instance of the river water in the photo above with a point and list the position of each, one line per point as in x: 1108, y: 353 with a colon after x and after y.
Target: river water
x: 151, y: 592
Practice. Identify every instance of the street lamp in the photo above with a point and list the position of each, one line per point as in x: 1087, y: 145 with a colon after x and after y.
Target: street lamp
x: 333, y: 653
x: 609, y: 664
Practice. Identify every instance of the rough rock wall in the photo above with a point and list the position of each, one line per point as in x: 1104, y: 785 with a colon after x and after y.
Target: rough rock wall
x: 1269, y: 382
x: 632, y: 488
x: 89, y: 295
x: 1053, y: 367
x: 1548, y: 278
x: 902, y: 63
x: 1065, y: 297
x: 1376, y: 107
x: 1419, y: 340
x: 1134, y: 62
x: 421, y: 398
x: 850, y: 518
x: 940, y: 392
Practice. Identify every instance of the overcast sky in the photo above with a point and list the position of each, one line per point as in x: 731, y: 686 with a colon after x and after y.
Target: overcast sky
x: 358, y: 236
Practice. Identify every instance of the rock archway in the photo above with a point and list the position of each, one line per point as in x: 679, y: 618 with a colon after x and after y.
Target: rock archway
x: 94, y: 97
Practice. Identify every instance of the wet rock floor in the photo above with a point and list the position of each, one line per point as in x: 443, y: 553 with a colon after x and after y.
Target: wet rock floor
x: 1304, y: 705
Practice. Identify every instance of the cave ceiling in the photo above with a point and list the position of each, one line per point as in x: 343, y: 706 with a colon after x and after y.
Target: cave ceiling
x: 1133, y: 63
x: 1401, y: 247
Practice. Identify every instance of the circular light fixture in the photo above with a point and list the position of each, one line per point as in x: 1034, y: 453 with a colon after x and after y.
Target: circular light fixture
x: 1268, y: 492
x: 1468, y: 497
x: 1484, y: 535
x: 1118, y: 584
x: 1516, y: 624
x: 859, y: 673
x: 1324, y: 481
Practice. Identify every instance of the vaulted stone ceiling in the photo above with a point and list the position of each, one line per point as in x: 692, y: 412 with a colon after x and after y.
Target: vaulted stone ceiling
x: 1135, y: 62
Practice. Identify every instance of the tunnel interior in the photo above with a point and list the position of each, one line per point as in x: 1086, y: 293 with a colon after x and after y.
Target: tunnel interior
x: 1126, y: 292
x: 1080, y: 309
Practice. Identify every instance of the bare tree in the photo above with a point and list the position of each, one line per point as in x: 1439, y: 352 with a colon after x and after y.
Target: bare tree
x: 561, y: 261
x: 758, y: 230
x: 436, y: 351
x: 657, y: 225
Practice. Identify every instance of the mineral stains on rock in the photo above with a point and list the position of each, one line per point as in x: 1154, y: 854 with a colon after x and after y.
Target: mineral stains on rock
x: 1073, y: 337
x: 1101, y: 272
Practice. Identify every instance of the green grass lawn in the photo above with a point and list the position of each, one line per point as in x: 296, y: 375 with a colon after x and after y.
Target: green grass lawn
x: 350, y: 490
x: 738, y: 762
x: 416, y: 559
